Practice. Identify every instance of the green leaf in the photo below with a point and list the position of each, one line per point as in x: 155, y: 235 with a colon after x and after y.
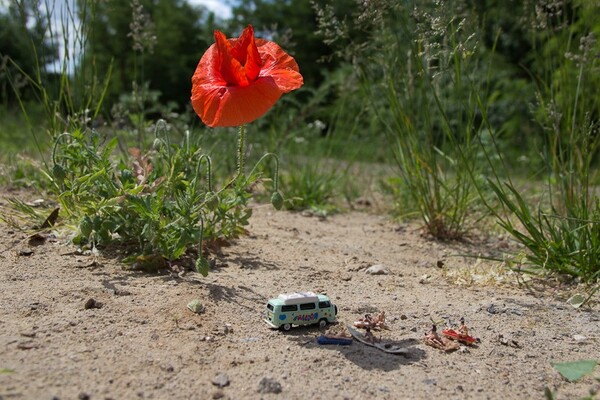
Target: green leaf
x: 575, y: 370
x: 6, y: 371
x: 577, y: 300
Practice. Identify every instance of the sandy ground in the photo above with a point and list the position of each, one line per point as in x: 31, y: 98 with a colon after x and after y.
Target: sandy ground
x: 137, y: 338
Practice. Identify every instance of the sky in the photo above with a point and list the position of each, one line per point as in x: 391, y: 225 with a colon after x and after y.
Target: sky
x: 219, y: 7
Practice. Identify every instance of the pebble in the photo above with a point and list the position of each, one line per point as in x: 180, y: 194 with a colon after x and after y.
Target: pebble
x: 269, y: 385
x: 221, y: 380
x: 92, y: 303
x: 579, y: 338
x: 196, y: 306
x: 377, y: 269
x: 25, y: 252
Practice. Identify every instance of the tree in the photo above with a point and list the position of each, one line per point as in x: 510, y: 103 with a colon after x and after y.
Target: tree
x: 293, y: 25
x: 25, y: 50
x: 155, y: 41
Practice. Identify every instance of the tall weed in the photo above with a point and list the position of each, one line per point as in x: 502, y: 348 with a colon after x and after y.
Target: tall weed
x: 562, y: 231
x: 425, y: 100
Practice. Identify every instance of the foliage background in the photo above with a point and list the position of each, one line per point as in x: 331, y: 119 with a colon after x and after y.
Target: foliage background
x: 464, y: 99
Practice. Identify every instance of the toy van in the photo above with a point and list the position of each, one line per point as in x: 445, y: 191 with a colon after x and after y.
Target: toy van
x: 303, y: 308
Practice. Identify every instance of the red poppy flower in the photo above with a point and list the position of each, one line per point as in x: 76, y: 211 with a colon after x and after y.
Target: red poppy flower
x: 239, y: 80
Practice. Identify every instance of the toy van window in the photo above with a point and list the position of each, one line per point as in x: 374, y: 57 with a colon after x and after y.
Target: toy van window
x: 324, y: 304
x: 307, y: 306
x: 270, y: 306
x: 292, y: 307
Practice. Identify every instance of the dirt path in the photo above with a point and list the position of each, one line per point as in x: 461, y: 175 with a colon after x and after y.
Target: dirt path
x: 137, y: 339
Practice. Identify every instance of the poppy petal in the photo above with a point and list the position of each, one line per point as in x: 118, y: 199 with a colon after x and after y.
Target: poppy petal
x: 239, y: 80
x: 280, y: 66
x: 231, y: 69
x: 235, y: 105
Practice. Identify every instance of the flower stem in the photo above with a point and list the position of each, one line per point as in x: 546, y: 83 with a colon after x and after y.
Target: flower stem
x: 276, y: 174
x: 240, y: 161
x: 240, y: 154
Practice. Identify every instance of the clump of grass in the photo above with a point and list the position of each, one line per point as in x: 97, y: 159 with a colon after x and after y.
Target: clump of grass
x: 562, y: 232
x: 428, y: 112
x: 311, y: 186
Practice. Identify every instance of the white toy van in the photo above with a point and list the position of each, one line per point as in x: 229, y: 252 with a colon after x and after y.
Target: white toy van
x: 303, y: 308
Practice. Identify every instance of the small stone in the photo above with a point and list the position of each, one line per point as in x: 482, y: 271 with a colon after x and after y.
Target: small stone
x: 577, y: 338
x: 221, y: 380
x: 92, y: 303
x: 83, y: 396
x: 492, y: 309
x: 219, y: 394
x: 27, y: 345
x: 25, y: 252
x: 122, y: 292
x: 363, y: 201
x: 377, y: 269
x: 269, y: 385
x: 196, y: 306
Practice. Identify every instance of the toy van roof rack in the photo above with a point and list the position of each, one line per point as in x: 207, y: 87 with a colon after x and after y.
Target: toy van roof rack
x: 298, y: 298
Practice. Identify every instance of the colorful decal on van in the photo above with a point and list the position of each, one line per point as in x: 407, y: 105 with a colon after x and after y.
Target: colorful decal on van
x: 307, y: 317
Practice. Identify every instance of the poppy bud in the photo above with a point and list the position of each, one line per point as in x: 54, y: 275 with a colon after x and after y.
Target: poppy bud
x: 212, y: 200
x: 126, y: 175
x: 59, y: 173
x: 277, y: 200
x: 85, y: 227
x: 202, y: 266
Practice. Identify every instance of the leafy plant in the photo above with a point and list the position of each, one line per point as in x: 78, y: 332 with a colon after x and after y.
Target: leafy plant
x: 162, y: 202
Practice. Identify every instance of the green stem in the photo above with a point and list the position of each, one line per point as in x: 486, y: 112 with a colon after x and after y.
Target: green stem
x: 208, y: 170
x: 56, y: 141
x: 240, y: 160
x: 240, y: 165
x: 276, y: 174
x: 240, y: 154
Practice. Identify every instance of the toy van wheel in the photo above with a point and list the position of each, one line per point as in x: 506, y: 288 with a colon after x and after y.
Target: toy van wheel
x: 286, y: 327
x: 322, y: 323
